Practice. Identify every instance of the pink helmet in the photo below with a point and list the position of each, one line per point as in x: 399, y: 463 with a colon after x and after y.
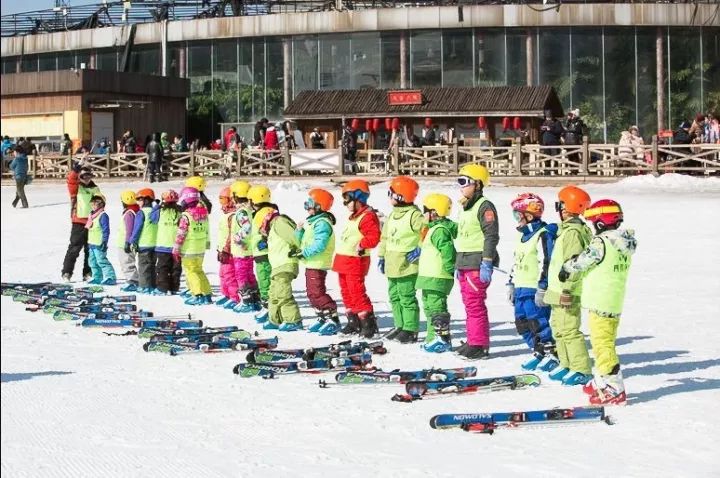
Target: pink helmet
x: 530, y: 203
x: 170, y: 196
x: 189, y: 196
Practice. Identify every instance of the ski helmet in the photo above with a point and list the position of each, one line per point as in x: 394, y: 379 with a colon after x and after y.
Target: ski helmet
x: 145, y: 193
x: 319, y: 198
x: 604, y: 214
x: 128, y: 198
x: 170, y: 196
x: 196, y: 182
x: 189, y: 196
x: 475, y: 172
x: 403, y: 189
x: 573, y: 200
x: 529, y: 203
x: 240, y: 189
x: 439, y: 203
x: 259, y: 194
x: 356, y: 190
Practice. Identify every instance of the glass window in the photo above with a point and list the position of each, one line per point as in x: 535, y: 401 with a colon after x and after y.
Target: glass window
x: 619, y: 81
x: 685, y: 75
x: 245, y: 77
x: 711, y: 70
x: 65, y: 61
x: 106, y: 60
x: 81, y: 57
x: 275, y: 96
x: 305, y: 63
x: 334, y: 62
x: 390, y: 60
x: 145, y: 61
x: 258, y: 78
x: 29, y: 63
x: 425, y: 59
x: 225, y: 83
x: 457, y: 57
x: 48, y: 62
x: 174, y: 67
x: 647, y: 82
x: 365, y: 60
x: 587, y: 78
x: 554, y: 61
x: 200, y: 105
x: 516, y: 43
x: 9, y: 64
x: 490, y: 60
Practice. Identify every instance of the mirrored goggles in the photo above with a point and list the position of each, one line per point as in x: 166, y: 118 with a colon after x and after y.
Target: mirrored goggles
x: 393, y: 195
x: 518, y: 216
x: 465, y: 181
x: 309, y: 204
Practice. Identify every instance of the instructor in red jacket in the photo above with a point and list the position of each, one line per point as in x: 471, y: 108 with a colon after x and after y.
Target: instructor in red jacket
x: 352, y: 259
x: 81, y: 188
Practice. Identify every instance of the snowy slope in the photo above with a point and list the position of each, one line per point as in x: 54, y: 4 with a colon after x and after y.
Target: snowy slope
x: 78, y: 403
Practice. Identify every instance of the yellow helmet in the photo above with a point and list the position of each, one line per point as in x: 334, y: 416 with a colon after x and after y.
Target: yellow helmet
x: 476, y: 172
x: 261, y: 215
x: 128, y: 197
x: 196, y: 182
x: 240, y: 189
x: 259, y: 194
x: 439, y: 203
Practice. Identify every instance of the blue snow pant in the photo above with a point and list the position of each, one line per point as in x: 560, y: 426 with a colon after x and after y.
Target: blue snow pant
x: 532, y: 322
x: 100, y: 266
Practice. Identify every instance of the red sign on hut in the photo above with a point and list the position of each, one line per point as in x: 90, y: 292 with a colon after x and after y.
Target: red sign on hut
x: 404, y: 97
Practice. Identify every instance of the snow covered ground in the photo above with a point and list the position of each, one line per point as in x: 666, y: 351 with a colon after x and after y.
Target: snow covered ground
x: 78, y: 403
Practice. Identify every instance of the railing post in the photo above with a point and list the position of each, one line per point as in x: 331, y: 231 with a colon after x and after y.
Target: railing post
x: 654, y: 168
x: 585, y: 155
x: 33, y: 167
x: 286, y: 156
x: 192, y: 162
x: 455, y: 157
x: 518, y: 156
x: 341, y: 162
x: 108, y: 162
x: 396, y: 158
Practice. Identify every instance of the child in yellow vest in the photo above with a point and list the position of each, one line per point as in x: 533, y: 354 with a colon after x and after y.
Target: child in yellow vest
x: 241, y: 250
x: 98, y: 226
x: 190, y: 244
x: 167, y: 270
x: 259, y: 197
x: 605, y: 264
x: 143, y: 240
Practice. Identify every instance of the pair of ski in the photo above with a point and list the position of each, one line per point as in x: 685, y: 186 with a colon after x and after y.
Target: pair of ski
x: 334, y: 350
x: 64, y: 313
x: 401, y: 376
x: 489, y: 422
x: 357, y: 361
x: 423, y: 389
x: 125, y: 320
x: 227, y: 342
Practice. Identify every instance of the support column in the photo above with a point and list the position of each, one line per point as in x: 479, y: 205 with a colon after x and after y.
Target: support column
x: 287, y: 72
x: 529, y: 59
x: 182, y: 62
x: 163, y: 48
x: 660, y: 73
x: 404, y: 83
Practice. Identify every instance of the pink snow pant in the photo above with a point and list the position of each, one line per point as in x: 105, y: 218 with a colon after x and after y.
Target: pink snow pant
x: 474, y: 293
x: 244, y: 273
x: 228, y: 281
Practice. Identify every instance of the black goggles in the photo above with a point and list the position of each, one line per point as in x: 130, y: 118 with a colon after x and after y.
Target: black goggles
x: 347, y: 198
x: 465, y: 181
x: 559, y: 206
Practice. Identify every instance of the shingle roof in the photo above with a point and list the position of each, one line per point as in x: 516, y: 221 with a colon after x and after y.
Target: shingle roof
x: 451, y: 101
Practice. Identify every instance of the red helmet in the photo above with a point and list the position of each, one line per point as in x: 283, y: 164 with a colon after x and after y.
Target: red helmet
x: 170, y: 196
x: 529, y: 203
x: 573, y: 200
x: 604, y: 214
x: 146, y: 193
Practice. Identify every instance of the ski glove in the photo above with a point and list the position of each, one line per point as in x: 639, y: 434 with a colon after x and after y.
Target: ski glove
x: 296, y: 253
x: 262, y: 245
x: 381, y: 265
x: 360, y: 251
x: 224, y: 257
x: 511, y: 292
x: 103, y: 247
x: 176, y: 255
x: 413, y: 256
x: 486, y: 270
x: 563, y: 275
x: 133, y: 247
x: 127, y: 248
x: 566, y: 299
x: 540, y: 297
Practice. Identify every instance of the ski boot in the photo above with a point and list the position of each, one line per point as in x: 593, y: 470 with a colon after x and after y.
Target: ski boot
x: 161, y: 292
x: 559, y: 373
x: 331, y: 327
x: 94, y: 281
x: 262, y: 316
x: 129, y: 287
x: 353, y: 325
x: 222, y: 301
x: 462, y: 349
x: 207, y: 299
x: 437, y: 345
x: 476, y: 352
x: 195, y: 300
x: 185, y: 294
x: 290, y: 326
x: 229, y: 304
x: 87, y: 276
x: 368, y: 325
x: 144, y: 290
x: 393, y: 333
x: 270, y: 326
x: 322, y: 318
x: 441, y: 326
x: 406, y: 337
x: 576, y: 378
x: 67, y: 278
x: 109, y: 281
x: 533, y: 362
x: 609, y: 389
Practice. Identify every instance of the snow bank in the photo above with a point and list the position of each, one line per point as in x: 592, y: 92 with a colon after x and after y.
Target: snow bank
x: 676, y: 183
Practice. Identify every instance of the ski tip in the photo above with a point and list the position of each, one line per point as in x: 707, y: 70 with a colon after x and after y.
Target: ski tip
x: 236, y: 369
x: 146, y: 346
x: 433, y: 423
x: 322, y: 384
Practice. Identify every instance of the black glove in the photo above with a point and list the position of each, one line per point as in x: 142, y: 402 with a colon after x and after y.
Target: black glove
x: 296, y: 253
x: 103, y: 247
x: 127, y: 248
x: 563, y: 275
x: 134, y: 247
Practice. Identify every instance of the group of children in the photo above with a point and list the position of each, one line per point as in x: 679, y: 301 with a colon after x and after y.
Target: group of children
x: 557, y: 268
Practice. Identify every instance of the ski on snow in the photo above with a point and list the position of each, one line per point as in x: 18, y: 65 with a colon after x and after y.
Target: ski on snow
x: 404, y: 376
x: 217, y: 343
x: 270, y: 369
x: 421, y: 389
x: 334, y: 350
x: 125, y: 320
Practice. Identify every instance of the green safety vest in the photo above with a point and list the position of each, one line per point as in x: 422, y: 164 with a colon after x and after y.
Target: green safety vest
x: 431, y: 261
x: 604, y: 285
x: 120, y: 241
x: 323, y: 260
x: 279, y: 249
x: 555, y: 287
x: 527, y: 266
x: 351, y: 237
x: 236, y: 250
x: 167, y: 228
x: 95, y: 232
x: 470, y: 236
x: 400, y: 236
x: 224, y: 230
x: 82, y: 201
x: 148, y: 235
x: 196, y: 238
x: 255, y: 238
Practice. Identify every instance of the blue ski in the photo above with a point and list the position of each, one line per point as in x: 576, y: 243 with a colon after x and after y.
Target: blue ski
x: 487, y: 422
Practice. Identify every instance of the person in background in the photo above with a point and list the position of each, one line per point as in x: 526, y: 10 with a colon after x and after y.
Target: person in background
x: 317, y: 141
x: 81, y: 188
x: 349, y: 145
x: 712, y: 129
x: 574, y: 127
x: 631, y: 143
x: 165, y: 143
x: 551, y: 130
x: 129, y: 143
x: 6, y: 147
x: 154, y: 151
x: 19, y: 167
x: 179, y: 145
x: 65, y: 145
x: 271, y: 141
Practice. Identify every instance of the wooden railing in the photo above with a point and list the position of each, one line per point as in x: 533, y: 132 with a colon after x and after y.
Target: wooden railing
x: 516, y: 160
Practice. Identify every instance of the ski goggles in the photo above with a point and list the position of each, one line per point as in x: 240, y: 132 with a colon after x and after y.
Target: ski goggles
x: 347, y: 198
x: 559, y: 206
x: 518, y: 216
x: 464, y: 181
x: 309, y: 204
x: 393, y: 195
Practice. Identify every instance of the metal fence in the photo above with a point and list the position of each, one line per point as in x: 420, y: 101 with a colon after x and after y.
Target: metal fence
x: 511, y: 161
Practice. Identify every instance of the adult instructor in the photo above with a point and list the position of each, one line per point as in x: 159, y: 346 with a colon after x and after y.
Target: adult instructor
x: 81, y: 188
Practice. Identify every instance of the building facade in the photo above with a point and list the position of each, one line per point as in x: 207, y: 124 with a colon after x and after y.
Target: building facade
x: 653, y: 64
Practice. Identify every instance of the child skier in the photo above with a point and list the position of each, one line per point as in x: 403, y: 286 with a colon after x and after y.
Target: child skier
x: 167, y: 270
x: 352, y: 259
x: 605, y: 264
x: 241, y: 250
x: 198, y: 182
x: 259, y: 197
x: 435, y: 271
x: 143, y: 240
x: 564, y: 295
x: 317, y: 246
x: 476, y: 245
x: 190, y: 243
x: 528, y: 280
x: 283, y: 247
x: 127, y: 253
x: 98, y: 225
x: 228, y: 283
x: 399, y: 254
